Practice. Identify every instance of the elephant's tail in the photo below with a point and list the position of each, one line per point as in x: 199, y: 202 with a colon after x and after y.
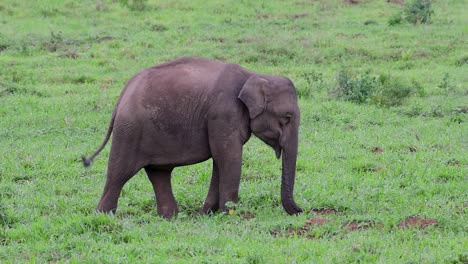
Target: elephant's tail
x: 87, y: 161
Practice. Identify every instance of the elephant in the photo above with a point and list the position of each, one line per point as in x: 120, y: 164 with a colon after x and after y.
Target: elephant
x: 192, y: 109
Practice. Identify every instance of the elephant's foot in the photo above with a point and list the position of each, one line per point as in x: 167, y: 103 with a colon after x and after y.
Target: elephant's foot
x: 168, y: 212
x: 104, y: 210
x: 210, y: 207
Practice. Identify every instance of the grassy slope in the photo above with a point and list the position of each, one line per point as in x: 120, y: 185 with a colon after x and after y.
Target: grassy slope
x: 54, y: 108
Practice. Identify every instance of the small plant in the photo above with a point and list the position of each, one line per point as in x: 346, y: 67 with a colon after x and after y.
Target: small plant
x: 418, y: 12
x: 390, y: 91
x: 158, y: 28
x: 314, y: 82
x: 415, y: 12
x: 445, y: 84
x: 54, y: 42
x: 134, y: 5
x: 382, y: 90
x: 395, y: 20
x: 357, y: 89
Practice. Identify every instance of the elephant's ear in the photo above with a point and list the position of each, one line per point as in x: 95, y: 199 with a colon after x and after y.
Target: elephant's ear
x: 254, y: 95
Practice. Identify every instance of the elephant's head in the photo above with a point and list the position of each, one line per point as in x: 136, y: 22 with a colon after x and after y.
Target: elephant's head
x: 274, y: 118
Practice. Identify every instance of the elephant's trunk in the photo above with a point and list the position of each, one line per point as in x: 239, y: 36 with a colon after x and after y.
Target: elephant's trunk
x: 289, y: 174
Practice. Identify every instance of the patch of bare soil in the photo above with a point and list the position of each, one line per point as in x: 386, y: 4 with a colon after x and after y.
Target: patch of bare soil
x: 413, y: 149
x: 70, y: 54
x: 453, y: 162
x: 300, y: 16
x: 351, y: 2
x: 248, y: 40
x: 417, y: 222
x: 247, y: 215
x: 361, y: 225
x: 316, y: 221
x: 377, y: 150
x: 104, y: 39
x: 303, y: 231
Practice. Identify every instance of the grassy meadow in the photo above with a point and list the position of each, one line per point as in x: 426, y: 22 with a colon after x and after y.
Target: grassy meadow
x: 383, y: 132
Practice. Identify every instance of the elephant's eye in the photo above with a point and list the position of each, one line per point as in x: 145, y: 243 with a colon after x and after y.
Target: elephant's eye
x: 286, y: 119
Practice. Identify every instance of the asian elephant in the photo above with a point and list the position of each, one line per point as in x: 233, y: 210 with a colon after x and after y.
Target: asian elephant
x: 192, y: 109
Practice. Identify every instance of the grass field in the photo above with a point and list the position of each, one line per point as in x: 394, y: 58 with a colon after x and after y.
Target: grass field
x: 362, y: 167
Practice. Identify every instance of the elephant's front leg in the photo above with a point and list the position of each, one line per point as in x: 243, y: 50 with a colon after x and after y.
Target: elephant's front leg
x: 165, y: 201
x: 212, y: 199
x: 227, y: 160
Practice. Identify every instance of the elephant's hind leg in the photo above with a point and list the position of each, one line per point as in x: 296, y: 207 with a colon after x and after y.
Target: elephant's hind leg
x: 121, y: 168
x: 114, y: 184
x: 165, y: 201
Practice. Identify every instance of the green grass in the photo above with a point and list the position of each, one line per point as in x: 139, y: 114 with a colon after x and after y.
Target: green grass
x: 64, y: 63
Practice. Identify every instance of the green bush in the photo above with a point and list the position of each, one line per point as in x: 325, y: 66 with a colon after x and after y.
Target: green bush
x: 395, y: 19
x: 383, y: 90
x: 357, y: 89
x: 418, y: 11
x: 314, y: 83
x: 134, y: 5
x: 415, y: 12
x: 390, y: 91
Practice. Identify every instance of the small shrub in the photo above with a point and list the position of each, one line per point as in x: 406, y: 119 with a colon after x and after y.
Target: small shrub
x: 54, y: 42
x: 6, y: 219
x: 418, y: 11
x: 314, y: 82
x: 383, y: 90
x: 445, y: 84
x: 418, y: 88
x: 395, y: 20
x: 390, y: 91
x: 462, y: 61
x: 4, y: 43
x: 134, y: 5
x: 357, y: 89
x: 158, y: 28
x: 415, y: 12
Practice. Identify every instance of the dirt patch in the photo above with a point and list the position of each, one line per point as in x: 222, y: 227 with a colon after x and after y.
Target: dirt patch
x: 70, y: 55
x: 453, y: 162
x: 303, y: 231
x: 417, y: 222
x: 413, y: 149
x: 300, y: 16
x: 351, y: 2
x: 104, y: 39
x: 316, y: 221
x: 377, y: 150
x: 265, y: 16
x: 370, y: 22
x: 324, y: 211
x: 361, y: 225
x: 247, y: 215
x: 220, y: 40
x: 247, y: 40
x: 463, y: 109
